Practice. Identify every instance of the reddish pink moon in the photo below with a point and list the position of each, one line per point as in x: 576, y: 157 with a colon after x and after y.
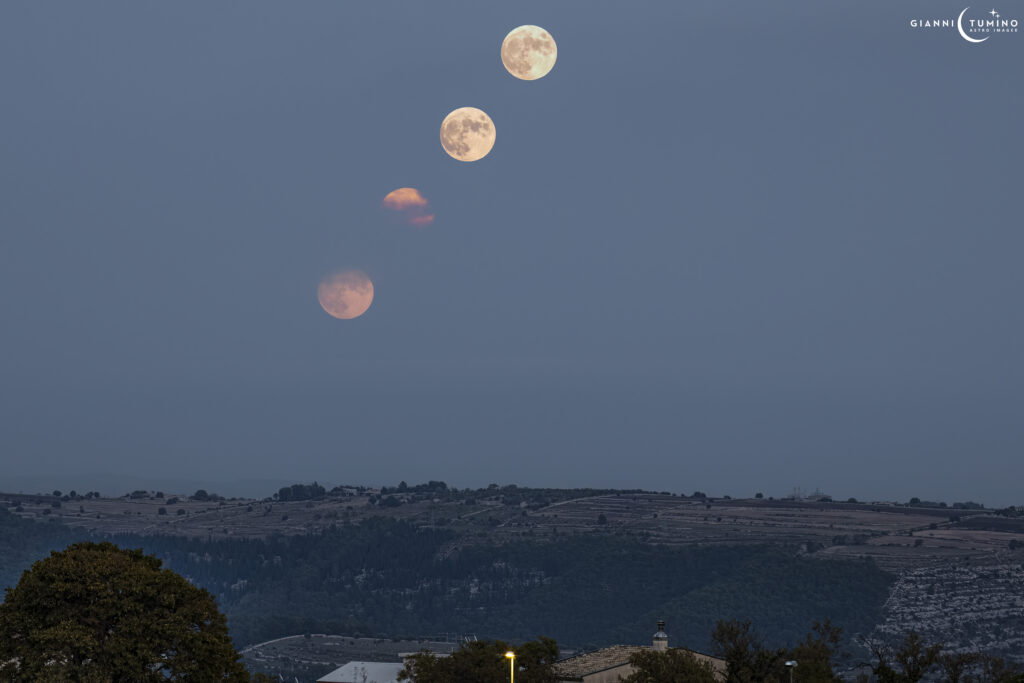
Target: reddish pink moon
x: 345, y: 294
x: 409, y: 203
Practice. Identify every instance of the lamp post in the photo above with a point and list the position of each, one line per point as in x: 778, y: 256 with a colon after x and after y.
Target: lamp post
x: 512, y: 666
x: 791, y: 664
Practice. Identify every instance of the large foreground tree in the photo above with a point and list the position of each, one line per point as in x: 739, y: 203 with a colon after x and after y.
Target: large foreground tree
x: 95, y: 612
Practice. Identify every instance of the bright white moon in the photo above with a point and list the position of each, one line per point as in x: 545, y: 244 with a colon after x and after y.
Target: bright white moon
x: 467, y: 134
x: 345, y: 294
x: 528, y: 52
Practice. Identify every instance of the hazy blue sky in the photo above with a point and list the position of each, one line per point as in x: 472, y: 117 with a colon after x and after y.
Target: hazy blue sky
x: 728, y: 246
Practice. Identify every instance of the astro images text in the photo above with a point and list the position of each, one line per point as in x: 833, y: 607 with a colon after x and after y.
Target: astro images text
x: 975, y: 25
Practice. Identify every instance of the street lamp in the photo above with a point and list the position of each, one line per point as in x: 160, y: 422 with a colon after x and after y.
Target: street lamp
x: 791, y: 664
x: 512, y: 666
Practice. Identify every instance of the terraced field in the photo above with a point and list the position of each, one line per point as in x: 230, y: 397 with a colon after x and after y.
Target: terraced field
x: 977, y: 607
x: 898, y: 538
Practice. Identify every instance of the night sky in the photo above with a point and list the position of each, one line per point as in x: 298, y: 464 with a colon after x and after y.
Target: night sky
x: 726, y: 246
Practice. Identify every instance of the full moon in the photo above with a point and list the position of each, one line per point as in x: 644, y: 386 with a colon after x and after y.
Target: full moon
x: 467, y: 134
x: 345, y: 294
x: 528, y: 52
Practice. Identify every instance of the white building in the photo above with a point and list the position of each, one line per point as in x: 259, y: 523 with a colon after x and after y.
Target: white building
x: 364, y: 672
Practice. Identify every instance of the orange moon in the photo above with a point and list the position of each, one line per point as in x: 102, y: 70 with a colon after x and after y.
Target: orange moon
x: 409, y: 203
x: 467, y: 134
x: 345, y: 294
x: 529, y: 52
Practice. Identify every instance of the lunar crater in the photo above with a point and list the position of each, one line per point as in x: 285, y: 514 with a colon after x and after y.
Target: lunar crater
x: 345, y: 294
x: 467, y: 134
x: 529, y: 52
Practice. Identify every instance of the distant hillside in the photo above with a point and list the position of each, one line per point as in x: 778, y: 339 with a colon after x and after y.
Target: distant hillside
x: 495, y: 514
x: 586, y: 567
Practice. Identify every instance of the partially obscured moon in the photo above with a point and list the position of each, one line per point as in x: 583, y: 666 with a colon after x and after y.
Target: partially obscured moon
x: 345, y: 294
x: 467, y: 134
x: 528, y: 52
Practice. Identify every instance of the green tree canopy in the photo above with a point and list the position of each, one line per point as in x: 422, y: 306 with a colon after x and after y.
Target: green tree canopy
x: 96, y: 612
x: 914, y: 660
x: 907, y: 664
x: 746, y: 657
x: 669, y: 666
x: 816, y: 653
x: 484, y: 661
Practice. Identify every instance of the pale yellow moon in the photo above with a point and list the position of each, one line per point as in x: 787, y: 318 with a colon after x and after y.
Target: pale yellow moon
x: 528, y: 52
x: 345, y: 294
x: 467, y: 134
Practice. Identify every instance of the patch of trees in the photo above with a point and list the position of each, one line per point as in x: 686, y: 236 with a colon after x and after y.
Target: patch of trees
x: 913, y: 660
x: 484, y: 661
x: 850, y: 539
x: 670, y: 666
x: 296, y: 492
x: 749, y: 659
x: 966, y: 505
x: 430, y: 487
x: 510, y: 494
x: 819, y: 658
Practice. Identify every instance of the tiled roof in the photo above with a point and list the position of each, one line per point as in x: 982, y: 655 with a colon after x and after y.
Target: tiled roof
x: 598, y: 660
x: 575, y: 668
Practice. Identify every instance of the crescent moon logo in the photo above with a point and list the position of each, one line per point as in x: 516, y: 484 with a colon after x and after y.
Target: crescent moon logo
x: 963, y: 34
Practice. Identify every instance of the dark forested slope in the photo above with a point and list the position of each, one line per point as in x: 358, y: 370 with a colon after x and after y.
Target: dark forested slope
x: 386, y: 577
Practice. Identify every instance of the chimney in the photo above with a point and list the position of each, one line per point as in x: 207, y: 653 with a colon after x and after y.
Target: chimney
x: 661, y: 638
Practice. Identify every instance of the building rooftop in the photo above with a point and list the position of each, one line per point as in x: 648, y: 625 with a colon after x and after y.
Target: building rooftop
x: 575, y: 668
x: 353, y: 672
x: 598, y: 660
